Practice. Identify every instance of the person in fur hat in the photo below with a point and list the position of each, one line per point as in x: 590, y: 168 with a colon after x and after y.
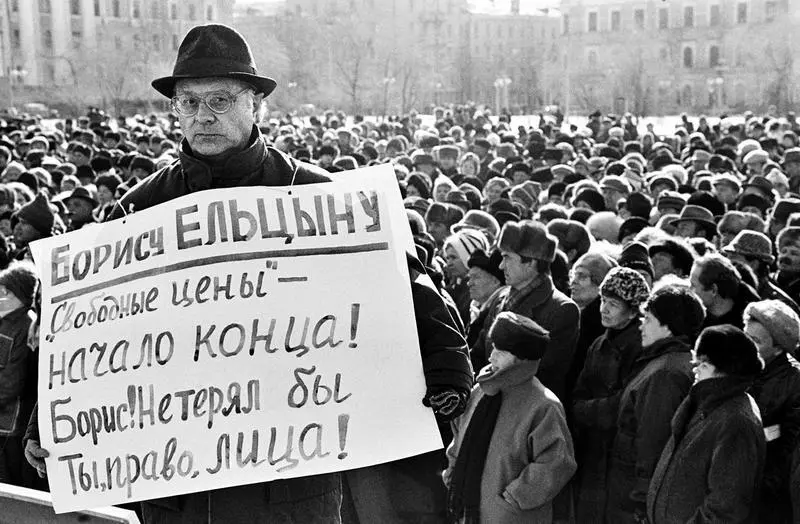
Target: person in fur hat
x: 512, y: 452
x: 17, y: 372
x: 711, y: 468
x: 775, y: 328
x: 595, y: 399
x: 527, y: 251
x: 31, y: 222
x: 662, y: 376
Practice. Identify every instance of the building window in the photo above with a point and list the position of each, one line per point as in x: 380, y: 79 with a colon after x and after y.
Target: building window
x: 770, y: 10
x: 592, y: 22
x: 566, y: 24
x: 741, y: 13
x: 118, y: 43
x: 193, y: 11
x: 77, y: 37
x: 15, y: 38
x: 713, y: 56
x: 638, y: 18
x: 47, y: 39
x: 173, y: 11
x: 44, y: 6
x: 154, y: 10
x: 14, y: 6
x: 663, y: 54
x: 688, y: 99
x: 75, y: 7
x: 115, y: 9
x: 688, y: 57
x: 663, y: 18
x: 136, y: 9
x: 175, y: 42
x: 688, y: 16
x: 50, y: 72
x: 714, y: 15
x: 210, y: 13
x: 157, y: 43
x: 616, y: 20
x: 591, y: 58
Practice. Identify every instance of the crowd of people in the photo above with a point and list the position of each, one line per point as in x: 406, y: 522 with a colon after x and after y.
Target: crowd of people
x: 629, y: 299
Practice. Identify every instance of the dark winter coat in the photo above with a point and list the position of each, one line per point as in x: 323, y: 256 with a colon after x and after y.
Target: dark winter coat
x: 595, y: 405
x: 445, y: 358
x: 661, y: 379
x: 711, y: 468
x: 591, y: 328
x: 554, y: 311
x: 14, y: 372
x: 777, y: 393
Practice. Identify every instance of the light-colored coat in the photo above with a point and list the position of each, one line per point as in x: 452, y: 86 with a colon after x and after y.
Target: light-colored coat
x: 530, y: 457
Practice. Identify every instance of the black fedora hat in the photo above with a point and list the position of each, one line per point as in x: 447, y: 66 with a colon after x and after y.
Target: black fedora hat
x: 214, y: 50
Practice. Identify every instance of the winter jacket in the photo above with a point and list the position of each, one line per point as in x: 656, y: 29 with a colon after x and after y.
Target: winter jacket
x: 554, y: 311
x: 595, y: 405
x: 445, y: 358
x: 777, y: 393
x: 14, y: 371
x: 711, y: 468
x: 661, y: 379
x: 591, y: 328
x: 530, y: 457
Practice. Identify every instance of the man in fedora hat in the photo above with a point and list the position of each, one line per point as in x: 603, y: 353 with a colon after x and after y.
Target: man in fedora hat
x: 217, y: 93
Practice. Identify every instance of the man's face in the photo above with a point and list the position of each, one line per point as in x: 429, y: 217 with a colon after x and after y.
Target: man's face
x: 688, y: 229
x: 725, y: 193
x: 439, y: 231
x: 447, y: 162
x: 79, y: 159
x: 789, y: 257
x: 663, y: 264
x: 25, y: 233
x: 481, y: 284
x: 612, y: 197
x: 755, y: 168
x: 706, y: 295
x: 211, y: 134
x: 79, y: 210
x: 520, y: 177
x: 582, y: 289
x: 518, y: 273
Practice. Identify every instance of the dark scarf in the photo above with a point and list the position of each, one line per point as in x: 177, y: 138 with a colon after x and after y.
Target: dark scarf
x: 464, y: 495
x: 233, y: 170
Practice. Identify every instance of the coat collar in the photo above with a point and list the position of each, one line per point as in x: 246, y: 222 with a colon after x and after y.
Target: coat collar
x: 494, y: 382
x: 665, y: 346
x: 200, y: 174
x: 535, y: 294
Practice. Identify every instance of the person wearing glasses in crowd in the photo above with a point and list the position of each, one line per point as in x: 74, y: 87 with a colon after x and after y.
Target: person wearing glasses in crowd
x: 217, y: 94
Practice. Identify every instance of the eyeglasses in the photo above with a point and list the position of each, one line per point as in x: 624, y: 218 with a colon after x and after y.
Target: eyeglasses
x: 219, y: 102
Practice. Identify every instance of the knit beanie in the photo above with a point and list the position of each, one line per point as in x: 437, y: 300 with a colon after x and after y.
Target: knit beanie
x: 571, y: 235
x: 730, y: 351
x: 779, y: 320
x: 678, y: 308
x: 488, y: 263
x: 38, y: 214
x: 465, y: 242
x: 20, y: 280
x: 625, y: 284
x: 635, y: 257
x: 519, y: 335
